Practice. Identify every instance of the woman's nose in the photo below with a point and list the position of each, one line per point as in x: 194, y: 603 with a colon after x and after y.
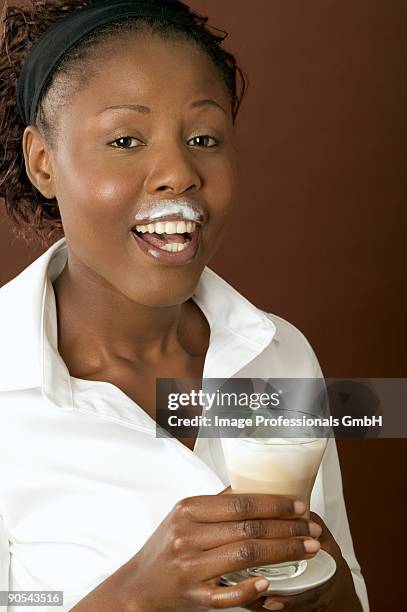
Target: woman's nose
x: 173, y: 170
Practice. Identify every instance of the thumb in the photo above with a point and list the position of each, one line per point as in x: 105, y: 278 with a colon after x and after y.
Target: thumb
x: 225, y: 491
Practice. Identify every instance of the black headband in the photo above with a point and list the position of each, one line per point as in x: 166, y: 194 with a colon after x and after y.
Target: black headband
x: 67, y: 31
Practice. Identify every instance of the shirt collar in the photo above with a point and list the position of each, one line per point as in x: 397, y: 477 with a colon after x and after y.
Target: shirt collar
x: 28, y: 329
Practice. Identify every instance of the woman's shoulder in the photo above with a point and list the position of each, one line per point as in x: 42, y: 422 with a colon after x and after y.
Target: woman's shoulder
x: 34, y: 271
x: 287, y: 330
x: 21, y: 309
x: 293, y: 347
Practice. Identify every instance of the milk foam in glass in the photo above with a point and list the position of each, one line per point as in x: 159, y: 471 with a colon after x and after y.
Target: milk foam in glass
x: 282, y: 466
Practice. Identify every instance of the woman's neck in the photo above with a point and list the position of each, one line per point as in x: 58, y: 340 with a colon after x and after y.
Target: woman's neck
x: 98, y: 326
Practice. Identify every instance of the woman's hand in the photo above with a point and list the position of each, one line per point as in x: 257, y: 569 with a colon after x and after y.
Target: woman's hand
x: 203, y: 537
x: 336, y: 595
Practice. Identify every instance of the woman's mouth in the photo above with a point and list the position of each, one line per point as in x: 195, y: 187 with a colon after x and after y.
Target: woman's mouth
x: 172, y: 241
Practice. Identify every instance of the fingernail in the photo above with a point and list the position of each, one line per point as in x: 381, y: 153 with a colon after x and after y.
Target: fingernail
x: 315, y: 530
x: 311, y: 546
x: 299, y: 507
x: 269, y: 604
x: 261, y: 585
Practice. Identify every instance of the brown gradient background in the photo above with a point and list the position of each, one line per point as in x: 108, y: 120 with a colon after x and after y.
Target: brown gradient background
x: 318, y: 236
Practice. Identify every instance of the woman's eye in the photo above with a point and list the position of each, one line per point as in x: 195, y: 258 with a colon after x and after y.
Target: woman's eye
x: 124, y: 142
x: 205, y: 138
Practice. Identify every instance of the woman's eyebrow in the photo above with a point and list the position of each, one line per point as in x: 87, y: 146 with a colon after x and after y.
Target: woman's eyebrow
x: 207, y: 102
x: 145, y: 109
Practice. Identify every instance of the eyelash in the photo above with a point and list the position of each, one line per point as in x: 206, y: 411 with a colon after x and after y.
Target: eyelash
x: 133, y: 138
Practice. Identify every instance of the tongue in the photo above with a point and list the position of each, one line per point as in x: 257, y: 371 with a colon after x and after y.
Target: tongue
x: 159, y: 240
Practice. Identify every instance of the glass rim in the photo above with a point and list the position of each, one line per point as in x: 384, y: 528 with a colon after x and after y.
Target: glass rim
x: 270, y: 440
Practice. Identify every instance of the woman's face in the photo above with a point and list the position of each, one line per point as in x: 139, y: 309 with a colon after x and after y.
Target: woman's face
x: 113, y: 164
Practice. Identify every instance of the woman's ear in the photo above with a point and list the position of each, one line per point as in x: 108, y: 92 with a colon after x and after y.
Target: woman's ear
x: 38, y: 163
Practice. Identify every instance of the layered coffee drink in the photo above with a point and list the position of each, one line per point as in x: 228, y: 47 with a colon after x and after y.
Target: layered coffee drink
x: 279, y: 466
x: 282, y: 466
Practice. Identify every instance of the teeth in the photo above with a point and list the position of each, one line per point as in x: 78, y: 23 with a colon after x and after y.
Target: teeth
x: 159, y: 228
x: 169, y: 227
x: 174, y: 247
x: 181, y: 227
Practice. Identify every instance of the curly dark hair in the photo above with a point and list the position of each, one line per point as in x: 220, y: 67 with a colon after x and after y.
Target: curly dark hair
x: 36, y: 218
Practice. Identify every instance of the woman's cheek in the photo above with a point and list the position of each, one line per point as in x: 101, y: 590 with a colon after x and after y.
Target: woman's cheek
x: 101, y: 199
x: 96, y: 177
x: 228, y: 181
x: 112, y: 194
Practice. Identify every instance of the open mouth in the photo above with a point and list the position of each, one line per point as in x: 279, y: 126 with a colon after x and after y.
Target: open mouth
x: 170, y: 236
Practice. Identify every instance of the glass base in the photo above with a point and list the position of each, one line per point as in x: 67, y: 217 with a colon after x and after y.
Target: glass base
x: 277, y: 571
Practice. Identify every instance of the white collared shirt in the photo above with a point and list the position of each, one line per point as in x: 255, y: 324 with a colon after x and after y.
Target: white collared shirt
x: 84, y: 480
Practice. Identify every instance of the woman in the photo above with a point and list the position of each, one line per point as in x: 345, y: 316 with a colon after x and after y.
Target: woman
x: 119, y: 150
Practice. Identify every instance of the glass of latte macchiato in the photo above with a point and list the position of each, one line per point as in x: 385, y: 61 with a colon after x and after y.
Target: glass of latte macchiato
x: 281, y: 466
